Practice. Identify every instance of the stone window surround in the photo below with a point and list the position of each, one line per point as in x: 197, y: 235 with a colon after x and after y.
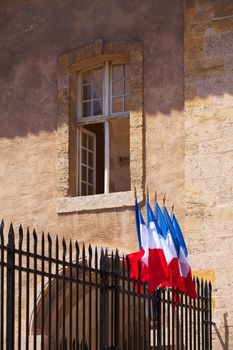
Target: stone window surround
x: 68, y: 65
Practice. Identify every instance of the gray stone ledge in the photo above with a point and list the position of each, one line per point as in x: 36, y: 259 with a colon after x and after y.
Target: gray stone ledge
x: 97, y: 202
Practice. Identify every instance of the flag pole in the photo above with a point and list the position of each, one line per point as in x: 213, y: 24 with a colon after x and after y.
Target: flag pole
x: 173, y: 208
x: 135, y: 192
x: 156, y: 196
x: 147, y: 193
x: 164, y: 200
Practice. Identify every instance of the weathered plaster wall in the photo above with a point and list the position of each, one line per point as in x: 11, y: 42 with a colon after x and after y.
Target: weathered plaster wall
x: 33, y: 36
x: 209, y: 150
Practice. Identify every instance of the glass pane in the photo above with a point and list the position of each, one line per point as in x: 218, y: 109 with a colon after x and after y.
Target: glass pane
x: 118, y: 87
x: 127, y: 86
x: 84, y: 156
x: 117, y: 105
x: 90, y: 143
x: 84, y: 173
x: 86, y: 92
x: 97, y: 107
x: 90, y: 176
x: 83, y: 189
x: 86, y: 109
x: 98, y: 75
x: 84, y: 140
x: 118, y: 71
x: 126, y: 71
x: 97, y: 90
x: 127, y: 103
x: 90, y: 159
x: 90, y: 190
x: 86, y: 77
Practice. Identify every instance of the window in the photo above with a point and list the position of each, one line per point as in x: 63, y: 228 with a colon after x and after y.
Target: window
x: 103, y: 105
x: 97, y: 105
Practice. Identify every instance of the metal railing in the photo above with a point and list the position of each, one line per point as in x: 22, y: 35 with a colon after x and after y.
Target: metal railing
x: 56, y: 295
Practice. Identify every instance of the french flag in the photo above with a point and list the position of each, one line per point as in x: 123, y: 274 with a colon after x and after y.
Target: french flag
x: 158, y: 254
x: 185, y: 269
x: 141, y: 257
x: 169, y: 235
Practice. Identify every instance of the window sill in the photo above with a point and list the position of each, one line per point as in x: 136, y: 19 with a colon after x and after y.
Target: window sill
x: 97, y: 202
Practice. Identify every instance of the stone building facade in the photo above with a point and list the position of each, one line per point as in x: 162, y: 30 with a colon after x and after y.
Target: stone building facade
x: 180, y: 57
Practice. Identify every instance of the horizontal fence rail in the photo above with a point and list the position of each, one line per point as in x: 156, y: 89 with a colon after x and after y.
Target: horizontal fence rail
x: 59, y: 295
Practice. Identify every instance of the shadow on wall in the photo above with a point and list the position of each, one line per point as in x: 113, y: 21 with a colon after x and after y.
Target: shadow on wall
x: 224, y: 342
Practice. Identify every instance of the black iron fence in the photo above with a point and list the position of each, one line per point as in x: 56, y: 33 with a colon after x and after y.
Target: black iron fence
x: 58, y: 295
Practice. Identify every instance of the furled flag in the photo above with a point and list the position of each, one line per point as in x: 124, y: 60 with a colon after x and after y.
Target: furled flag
x: 169, y: 235
x: 185, y: 269
x: 140, y: 257
x: 158, y: 249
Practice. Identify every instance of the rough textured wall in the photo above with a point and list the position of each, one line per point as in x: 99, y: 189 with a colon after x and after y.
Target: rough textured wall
x: 209, y: 150
x: 33, y: 35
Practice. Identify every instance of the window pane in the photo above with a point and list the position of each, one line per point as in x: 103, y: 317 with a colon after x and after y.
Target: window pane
x: 86, y: 77
x: 90, y: 176
x: 98, y: 75
x: 118, y: 71
x: 84, y: 173
x: 83, y: 189
x: 86, y: 92
x: 117, y: 105
x: 86, y: 109
x: 84, y: 140
x: 127, y: 85
x: 118, y: 87
x: 97, y: 107
x: 97, y: 90
x: 127, y: 103
x: 90, y: 190
x: 90, y: 143
x: 90, y: 159
x: 84, y: 156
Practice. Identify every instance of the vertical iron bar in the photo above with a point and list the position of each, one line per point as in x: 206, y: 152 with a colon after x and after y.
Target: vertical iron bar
x: 206, y: 315
x: 70, y: 297
x: 20, y: 285
x: 123, y: 303
x: 182, y: 321
x: 2, y: 287
x: 77, y: 296
x: 63, y: 294
x: 163, y: 301
x: 202, y: 315
x: 111, y: 302
x: 198, y: 316
x: 149, y: 318
x: 89, y: 294
x: 49, y: 291
x: 83, y: 303
x: 168, y: 318
x: 190, y: 323
x: 158, y: 303
x: 194, y: 321
x: 107, y: 297
x: 173, y: 319
x: 35, y: 289
x: 210, y: 311
x: 139, y: 305
x: 27, y: 288
x: 10, y: 317
x: 96, y: 301
x: 177, y: 319
x: 42, y: 291
x: 154, y: 316
x: 57, y: 294
x: 128, y: 304
x: 116, y: 297
x: 102, y: 301
x: 134, y: 323
x: 144, y: 318
x: 186, y: 320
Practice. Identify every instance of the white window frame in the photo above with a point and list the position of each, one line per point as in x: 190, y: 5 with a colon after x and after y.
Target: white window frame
x: 81, y: 131
x: 104, y: 118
